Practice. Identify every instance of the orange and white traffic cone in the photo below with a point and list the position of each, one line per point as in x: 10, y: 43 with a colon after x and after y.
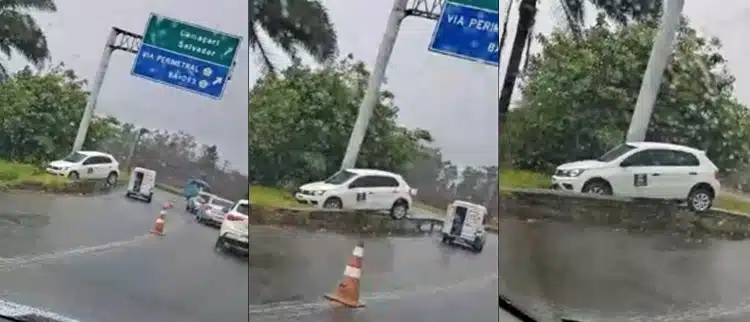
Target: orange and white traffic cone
x: 347, y: 292
x: 159, y: 224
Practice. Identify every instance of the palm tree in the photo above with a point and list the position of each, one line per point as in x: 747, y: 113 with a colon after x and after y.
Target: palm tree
x: 21, y: 33
x: 620, y: 11
x: 291, y: 25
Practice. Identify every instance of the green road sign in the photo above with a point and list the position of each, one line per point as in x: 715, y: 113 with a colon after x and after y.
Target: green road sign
x: 493, y: 5
x: 191, y: 40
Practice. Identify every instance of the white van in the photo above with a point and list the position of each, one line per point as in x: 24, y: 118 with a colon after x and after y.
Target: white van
x: 141, y: 184
x: 464, y: 222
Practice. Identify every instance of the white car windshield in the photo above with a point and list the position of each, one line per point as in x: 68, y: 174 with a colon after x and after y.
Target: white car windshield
x: 615, y: 153
x: 340, y: 177
x: 223, y: 203
x: 243, y: 209
x: 74, y: 157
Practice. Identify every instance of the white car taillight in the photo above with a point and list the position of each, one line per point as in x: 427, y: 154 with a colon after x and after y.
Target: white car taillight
x: 231, y: 217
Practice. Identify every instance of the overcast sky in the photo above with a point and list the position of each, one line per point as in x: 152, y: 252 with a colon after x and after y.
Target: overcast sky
x: 78, y: 31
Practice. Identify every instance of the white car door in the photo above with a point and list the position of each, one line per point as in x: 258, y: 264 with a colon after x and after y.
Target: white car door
x: 680, y: 173
x: 637, y: 176
x: 385, y: 192
x: 88, y: 168
x: 354, y: 196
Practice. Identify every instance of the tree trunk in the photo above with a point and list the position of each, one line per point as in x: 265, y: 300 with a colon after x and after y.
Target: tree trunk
x: 526, y: 13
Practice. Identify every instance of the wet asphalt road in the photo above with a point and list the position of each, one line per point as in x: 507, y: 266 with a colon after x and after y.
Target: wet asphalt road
x: 90, y: 258
x: 403, y: 279
x: 597, y: 274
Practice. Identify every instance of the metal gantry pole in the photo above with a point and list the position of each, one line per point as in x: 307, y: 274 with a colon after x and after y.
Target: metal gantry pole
x: 96, y: 87
x: 372, y: 94
x: 657, y: 62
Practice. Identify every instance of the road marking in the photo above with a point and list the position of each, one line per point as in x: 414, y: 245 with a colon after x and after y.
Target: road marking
x: 16, y: 262
x: 299, y: 308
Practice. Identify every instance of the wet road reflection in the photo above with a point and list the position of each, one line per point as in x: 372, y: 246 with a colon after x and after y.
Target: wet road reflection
x: 599, y: 274
x: 415, y: 279
x: 52, y: 259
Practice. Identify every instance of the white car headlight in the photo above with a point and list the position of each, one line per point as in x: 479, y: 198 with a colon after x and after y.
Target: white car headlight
x: 318, y: 192
x: 575, y: 172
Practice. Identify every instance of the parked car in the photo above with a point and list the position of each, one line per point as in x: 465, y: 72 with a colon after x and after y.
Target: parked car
x: 213, y: 210
x: 360, y: 189
x: 233, y: 232
x: 645, y: 170
x: 90, y: 165
x: 196, y: 202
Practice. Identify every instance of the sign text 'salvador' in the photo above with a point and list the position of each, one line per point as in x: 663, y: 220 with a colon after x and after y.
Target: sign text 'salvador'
x: 186, y: 56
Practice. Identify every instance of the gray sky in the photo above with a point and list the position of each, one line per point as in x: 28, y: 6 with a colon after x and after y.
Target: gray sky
x: 76, y: 35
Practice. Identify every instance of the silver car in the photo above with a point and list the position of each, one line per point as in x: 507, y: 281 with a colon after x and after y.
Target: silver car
x: 195, y: 203
x: 213, y: 210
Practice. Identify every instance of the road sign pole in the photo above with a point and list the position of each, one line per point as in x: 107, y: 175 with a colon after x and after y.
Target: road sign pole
x: 88, y: 113
x: 657, y: 62
x: 372, y: 94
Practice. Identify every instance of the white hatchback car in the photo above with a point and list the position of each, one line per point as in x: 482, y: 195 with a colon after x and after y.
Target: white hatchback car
x: 645, y: 170
x: 233, y: 233
x: 360, y: 189
x: 87, y: 165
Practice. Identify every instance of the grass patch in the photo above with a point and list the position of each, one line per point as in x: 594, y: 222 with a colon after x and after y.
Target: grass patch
x: 273, y: 197
x: 522, y: 179
x: 732, y: 203
x: 12, y: 173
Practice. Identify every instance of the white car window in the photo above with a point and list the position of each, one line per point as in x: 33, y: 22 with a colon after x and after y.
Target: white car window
x: 74, y: 157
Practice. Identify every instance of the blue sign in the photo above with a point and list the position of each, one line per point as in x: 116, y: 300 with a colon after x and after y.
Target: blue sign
x: 468, y: 32
x: 181, y: 71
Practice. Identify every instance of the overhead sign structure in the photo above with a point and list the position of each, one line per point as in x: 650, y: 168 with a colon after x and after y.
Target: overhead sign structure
x: 186, y: 56
x: 468, y: 29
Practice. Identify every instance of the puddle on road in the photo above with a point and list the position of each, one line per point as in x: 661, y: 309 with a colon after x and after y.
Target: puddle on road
x: 23, y: 220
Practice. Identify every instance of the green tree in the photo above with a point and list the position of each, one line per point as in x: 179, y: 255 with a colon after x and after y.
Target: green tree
x: 578, y: 98
x: 291, y: 25
x: 39, y: 114
x: 21, y: 33
x: 209, y: 157
x: 300, y: 123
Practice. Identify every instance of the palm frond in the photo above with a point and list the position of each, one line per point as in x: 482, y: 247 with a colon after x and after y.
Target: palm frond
x: 575, y: 15
x: 302, y: 24
x: 20, y: 32
x: 33, y: 5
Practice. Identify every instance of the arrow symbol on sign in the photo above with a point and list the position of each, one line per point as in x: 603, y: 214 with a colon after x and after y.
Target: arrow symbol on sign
x: 217, y: 81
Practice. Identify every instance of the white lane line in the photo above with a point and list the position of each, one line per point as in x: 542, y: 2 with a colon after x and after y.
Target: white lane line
x: 298, y: 308
x: 15, y: 262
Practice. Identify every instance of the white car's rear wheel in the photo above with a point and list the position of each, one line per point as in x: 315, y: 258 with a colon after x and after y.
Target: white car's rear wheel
x: 399, y: 210
x: 700, y: 199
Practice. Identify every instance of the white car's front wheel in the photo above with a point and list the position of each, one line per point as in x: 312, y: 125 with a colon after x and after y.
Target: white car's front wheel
x: 597, y: 187
x: 333, y: 203
x: 700, y: 199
